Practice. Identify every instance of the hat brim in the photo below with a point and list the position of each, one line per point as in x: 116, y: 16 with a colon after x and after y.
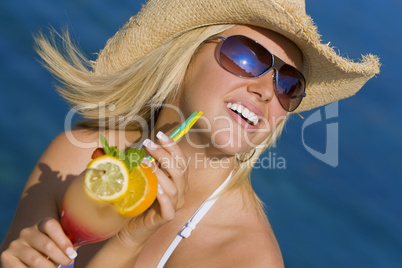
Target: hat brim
x: 330, y: 77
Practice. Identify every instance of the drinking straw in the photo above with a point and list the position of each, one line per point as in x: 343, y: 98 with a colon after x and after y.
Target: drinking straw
x: 185, y: 127
x: 182, y: 126
x: 181, y: 130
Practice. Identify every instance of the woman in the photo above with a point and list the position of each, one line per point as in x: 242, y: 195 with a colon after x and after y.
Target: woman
x: 171, y: 59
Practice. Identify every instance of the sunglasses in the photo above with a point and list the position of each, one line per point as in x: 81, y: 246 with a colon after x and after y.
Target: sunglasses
x: 246, y: 58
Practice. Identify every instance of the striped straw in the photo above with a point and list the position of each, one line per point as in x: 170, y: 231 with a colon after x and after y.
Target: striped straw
x: 182, y: 130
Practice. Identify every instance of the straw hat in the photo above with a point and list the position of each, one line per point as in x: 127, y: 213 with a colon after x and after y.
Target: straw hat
x: 330, y: 76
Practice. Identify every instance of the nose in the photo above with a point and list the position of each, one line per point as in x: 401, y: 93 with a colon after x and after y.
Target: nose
x: 263, y: 86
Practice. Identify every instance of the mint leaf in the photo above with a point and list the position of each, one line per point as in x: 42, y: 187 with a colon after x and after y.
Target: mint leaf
x: 110, y: 150
x: 105, y: 145
x: 120, y: 154
x: 134, y: 157
x: 113, y: 150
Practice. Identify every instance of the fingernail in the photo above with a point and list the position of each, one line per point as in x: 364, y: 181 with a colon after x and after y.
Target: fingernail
x: 160, y: 190
x: 161, y: 136
x: 71, y: 253
x: 146, y: 162
x: 150, y: 144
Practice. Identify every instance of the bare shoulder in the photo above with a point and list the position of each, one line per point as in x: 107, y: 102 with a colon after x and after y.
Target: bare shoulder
x: 232, y: 234
x: 254, y: 245
x: 66, y: 157
x: 67, y: 152
x: 250, y: 240
x: 70, y: 151
x: 60, y: 162
x: 44, y: 188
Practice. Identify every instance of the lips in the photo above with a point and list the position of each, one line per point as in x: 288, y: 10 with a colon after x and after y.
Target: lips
x: 250, y: 117
x: 245, y: 113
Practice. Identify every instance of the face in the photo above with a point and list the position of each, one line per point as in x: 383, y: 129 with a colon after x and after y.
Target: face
x: 208, y: 87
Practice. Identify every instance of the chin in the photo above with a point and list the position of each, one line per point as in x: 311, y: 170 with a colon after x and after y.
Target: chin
x: 230, y: 146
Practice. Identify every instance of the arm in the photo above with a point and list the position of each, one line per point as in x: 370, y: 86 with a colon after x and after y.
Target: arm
x: 42, y: 198
x: 40, y: 201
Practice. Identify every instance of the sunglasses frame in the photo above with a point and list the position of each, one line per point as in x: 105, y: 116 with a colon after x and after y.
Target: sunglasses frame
x: 277, y: 63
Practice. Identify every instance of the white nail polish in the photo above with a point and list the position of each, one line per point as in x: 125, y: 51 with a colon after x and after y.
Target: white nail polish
x: 71, y: 253
x: 161, y: 136
x: 150, y: 144
x: 146, y: 142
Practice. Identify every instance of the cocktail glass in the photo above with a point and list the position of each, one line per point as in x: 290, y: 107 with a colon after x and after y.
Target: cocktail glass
x: 86, y: 218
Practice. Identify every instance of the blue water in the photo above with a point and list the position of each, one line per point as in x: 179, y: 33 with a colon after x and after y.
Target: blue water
x: 323, y: 216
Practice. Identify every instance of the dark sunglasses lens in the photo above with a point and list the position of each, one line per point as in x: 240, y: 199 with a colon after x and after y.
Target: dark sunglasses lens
x: 244, y: 57
x: 290, y: 87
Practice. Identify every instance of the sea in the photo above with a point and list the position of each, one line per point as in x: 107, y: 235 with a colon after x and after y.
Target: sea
x: 331, y: 184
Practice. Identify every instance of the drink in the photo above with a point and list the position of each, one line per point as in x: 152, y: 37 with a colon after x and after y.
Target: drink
x: 86, y: 219
x: 96, y: 206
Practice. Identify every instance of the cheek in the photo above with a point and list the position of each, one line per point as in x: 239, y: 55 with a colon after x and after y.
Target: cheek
x: 205, y: 72
x: 277, y: 114
x: 205, y: 82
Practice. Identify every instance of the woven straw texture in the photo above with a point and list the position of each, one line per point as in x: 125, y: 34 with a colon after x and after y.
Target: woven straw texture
x: 330, y: 77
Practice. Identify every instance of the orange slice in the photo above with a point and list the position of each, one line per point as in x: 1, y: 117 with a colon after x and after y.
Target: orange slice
x: 143, y: 186
x: 107, y: 178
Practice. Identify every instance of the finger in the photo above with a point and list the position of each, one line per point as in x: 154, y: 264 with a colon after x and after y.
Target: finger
x: 58, y: 247
x: 34, y: 259
x: 174, y: 150
x: 171, y: 159
x: 25, y: 256
x: 177, y: 168
x: 165, y: 183
x: 168, y: 189
x: 168, y: 159
x: 167, y: 209
x: 9, y: 260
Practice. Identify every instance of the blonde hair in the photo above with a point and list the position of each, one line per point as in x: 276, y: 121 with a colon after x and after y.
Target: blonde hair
x: 243, y: 168
x: 132, y: 91
x: 136, y: 90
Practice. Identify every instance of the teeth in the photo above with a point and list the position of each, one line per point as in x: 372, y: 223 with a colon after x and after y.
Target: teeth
x: 246, y: 113
x: 254, y: 120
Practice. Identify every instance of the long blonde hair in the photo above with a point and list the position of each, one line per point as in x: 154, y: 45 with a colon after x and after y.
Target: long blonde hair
x: 132, y: 91
x: 136, y: 90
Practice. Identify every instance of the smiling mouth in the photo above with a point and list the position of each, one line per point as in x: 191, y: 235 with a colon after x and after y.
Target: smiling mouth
x: 248, y: 116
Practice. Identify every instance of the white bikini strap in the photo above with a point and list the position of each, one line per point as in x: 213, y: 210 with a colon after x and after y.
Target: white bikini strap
x: 185, y: 232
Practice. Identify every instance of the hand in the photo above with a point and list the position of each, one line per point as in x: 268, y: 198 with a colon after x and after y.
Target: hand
x: 42, y: 245
x: 172, y: 179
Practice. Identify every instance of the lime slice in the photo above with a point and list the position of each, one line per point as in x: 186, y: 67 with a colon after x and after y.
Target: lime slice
x: 107, y: 178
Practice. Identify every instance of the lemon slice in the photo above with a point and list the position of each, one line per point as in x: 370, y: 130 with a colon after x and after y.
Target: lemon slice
x: 143, y: 187
x: 107, y: 178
